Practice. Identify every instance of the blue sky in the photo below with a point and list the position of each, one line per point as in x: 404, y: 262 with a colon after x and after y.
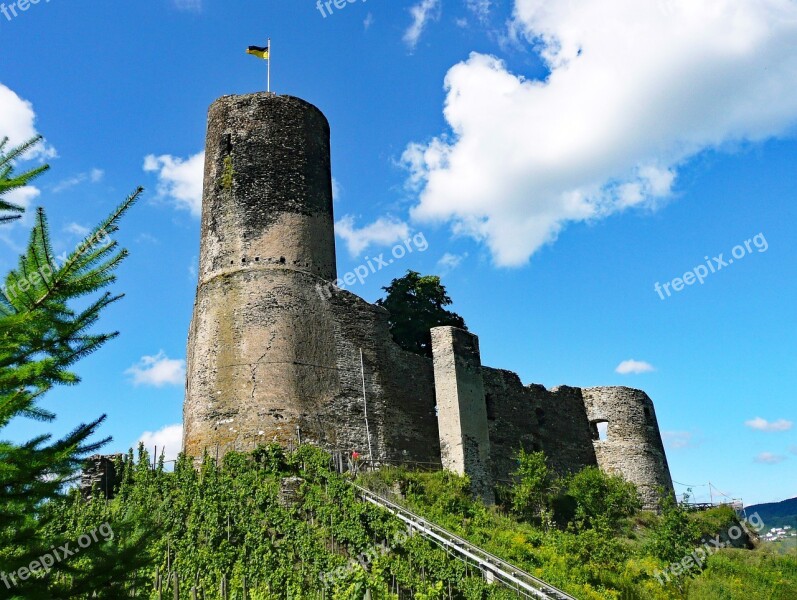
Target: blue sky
x: 559, y: 163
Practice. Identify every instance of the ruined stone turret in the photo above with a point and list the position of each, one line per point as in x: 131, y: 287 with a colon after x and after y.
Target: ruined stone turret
x: 632, y: 446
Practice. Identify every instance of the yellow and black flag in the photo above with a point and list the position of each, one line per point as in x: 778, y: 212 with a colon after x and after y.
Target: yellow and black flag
x: 258, y: 51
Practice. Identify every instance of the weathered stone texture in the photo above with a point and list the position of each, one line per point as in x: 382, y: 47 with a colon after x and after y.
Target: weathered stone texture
x: 290, y: 491
x: 461, y: 409
x: 99, y: 476
x: 633, y: 447
x: 267, y: 200
x: 273, y: 354
x: 399, y: 387
x: 535, y: 419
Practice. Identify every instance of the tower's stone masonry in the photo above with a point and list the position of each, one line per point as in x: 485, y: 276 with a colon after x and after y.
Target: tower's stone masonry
x: 274, y: 350
x: 461, y: 407
x: 260, y: 335
x: 271, y: 357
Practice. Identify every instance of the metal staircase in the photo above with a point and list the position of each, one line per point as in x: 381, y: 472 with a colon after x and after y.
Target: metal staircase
x: 493, y: 568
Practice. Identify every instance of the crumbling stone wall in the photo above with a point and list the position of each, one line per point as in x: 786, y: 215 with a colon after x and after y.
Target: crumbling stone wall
x: 633, y: 447
x: 99, y: 476
x: 535, y: 419
x: 399, y: 388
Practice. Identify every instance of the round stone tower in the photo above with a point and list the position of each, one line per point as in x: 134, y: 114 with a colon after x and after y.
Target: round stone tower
x: 627, y: 439
x: 260, y: 343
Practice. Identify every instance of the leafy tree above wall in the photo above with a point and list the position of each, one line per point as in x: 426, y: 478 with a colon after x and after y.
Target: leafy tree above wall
x: 416, y: 303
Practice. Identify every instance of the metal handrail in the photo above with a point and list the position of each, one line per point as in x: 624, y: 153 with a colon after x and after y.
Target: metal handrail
x: 506, y: 573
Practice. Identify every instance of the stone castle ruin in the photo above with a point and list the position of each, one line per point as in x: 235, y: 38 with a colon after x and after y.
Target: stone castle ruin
x: 270, y: 359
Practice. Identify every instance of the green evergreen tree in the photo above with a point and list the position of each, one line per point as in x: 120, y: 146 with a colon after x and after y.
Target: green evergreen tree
x: 416, y: 304
x: 8, y: 182
x: 41, y: 339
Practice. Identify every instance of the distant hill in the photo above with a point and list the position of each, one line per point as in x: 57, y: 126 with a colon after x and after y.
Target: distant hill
x: 776, y: 514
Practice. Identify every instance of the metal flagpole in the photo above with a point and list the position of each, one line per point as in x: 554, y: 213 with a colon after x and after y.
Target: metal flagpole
x: 365, y: 406
x: 268, y: 85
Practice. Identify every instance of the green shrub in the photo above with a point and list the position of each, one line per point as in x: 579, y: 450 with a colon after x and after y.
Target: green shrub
x: 601, y: 501
x: 675, y: 535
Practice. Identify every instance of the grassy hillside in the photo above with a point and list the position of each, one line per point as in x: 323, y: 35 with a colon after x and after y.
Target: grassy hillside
x: 776, y: 514
x: 596, y: 563
x: 787, y: 508
x: 234, y: 523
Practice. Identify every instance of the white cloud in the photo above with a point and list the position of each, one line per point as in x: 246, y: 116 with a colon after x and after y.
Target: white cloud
x: 634, y: 367
x: 422, y: 13
x: 764, y: 425
x: 337, y: 189
x: 179, y: 179
x: 369, y: 20
x: 382, y: 232
x: 94, y: 176
x: 65, y: 184
x: 633, y: 93
x: 146, y: 238
x: 157, y: 371
x: 169, y: 438
x: 18, y: 123
x: 768, y: 458
x: 22, y: 196
x: 449, y: 262
x: 678, y: 440
x: 77, y: 229
x: 480, y: 8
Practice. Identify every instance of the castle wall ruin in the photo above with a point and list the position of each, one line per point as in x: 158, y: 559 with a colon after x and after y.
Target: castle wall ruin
x: 277, y: 354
